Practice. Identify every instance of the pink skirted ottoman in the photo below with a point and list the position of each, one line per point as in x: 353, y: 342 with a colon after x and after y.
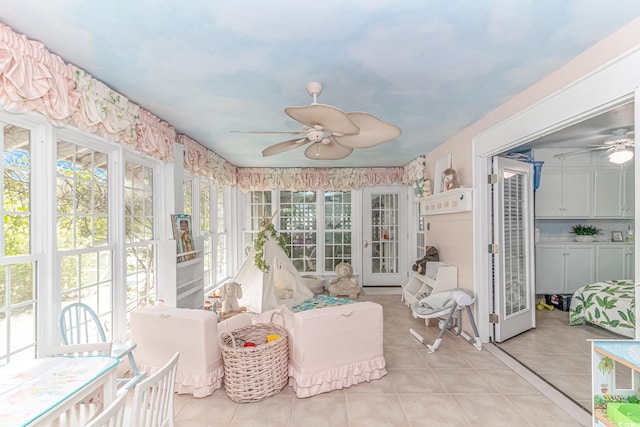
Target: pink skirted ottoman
x: 330, y: 348
x: 161, y: 331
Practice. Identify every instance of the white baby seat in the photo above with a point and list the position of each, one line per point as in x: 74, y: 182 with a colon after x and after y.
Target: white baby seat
x: 447, y: 303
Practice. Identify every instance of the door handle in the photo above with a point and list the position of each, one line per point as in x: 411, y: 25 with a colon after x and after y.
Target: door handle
x: 366, y: 244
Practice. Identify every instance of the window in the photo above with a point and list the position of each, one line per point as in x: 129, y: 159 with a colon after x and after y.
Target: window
x: 140, y: 250
x: 205, y: 218
x: 259, y: 208
x: 222, y: 237
x: 307, y: 219
x: 18, y: 297
x: 187, y: 190
x: 82, y: 193
x: 298, y: 227
x: 421, y: 236
x: 337, y: 225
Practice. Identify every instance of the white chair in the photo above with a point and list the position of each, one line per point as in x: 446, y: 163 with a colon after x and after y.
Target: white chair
x: 77, y: 350
x: 153, y: 397
x: 79, y: 324
x: 113, y: 415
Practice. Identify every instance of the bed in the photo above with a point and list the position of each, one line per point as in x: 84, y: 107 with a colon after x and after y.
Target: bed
x: 609, y: 304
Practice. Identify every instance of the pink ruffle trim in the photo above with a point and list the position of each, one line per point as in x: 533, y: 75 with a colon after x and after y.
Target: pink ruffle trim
x: 306, y: 385
x: 199, y: 385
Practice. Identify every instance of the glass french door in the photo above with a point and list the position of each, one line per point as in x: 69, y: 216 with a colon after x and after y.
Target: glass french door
x: 384, y: 245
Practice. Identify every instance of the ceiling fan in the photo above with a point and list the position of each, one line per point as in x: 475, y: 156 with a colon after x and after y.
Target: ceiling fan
x: 333, y: 134
x: 617, y: 145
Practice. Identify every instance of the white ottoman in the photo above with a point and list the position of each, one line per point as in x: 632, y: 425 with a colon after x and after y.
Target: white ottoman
x: 161, y: 331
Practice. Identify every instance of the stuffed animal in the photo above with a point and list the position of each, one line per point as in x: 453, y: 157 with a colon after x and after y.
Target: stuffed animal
x: 449, y: 179
x: 430, y: 254
x: 345, y: 283
x: 229, y: 294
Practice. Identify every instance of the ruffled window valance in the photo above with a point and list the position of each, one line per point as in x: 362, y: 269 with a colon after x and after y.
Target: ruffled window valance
x: 295, y: 179
x: 200, y: 161
x: 34, y: 79
x: 414, y: 170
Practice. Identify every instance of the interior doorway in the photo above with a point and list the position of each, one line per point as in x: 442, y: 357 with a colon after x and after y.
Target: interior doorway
x: 554, y: 341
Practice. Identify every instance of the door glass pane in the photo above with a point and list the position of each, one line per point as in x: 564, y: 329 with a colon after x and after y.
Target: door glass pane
x: 298, y: 227
x: 337, y: 224
x: 384, y: 233
x: 515, y: 278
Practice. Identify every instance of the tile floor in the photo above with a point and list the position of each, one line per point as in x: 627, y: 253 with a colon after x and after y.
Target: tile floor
x: 561, y: 354
x: 455, y: 386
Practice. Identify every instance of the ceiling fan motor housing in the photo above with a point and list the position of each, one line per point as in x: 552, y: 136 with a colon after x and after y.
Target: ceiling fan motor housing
x: 315, y: 135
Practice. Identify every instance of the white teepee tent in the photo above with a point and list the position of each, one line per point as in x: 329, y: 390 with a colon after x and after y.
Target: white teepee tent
x: 281, y: 284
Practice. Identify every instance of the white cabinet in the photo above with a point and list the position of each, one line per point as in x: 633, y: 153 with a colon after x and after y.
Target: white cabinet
x: 580, y: 266
x: 585, y: 185
x: 630, y: 264
x: 628, y: 191
x: 614, y: 262
x: 180, y: 284
x: 563, y: 267
x: 613, y: 192
x: 566, y: 185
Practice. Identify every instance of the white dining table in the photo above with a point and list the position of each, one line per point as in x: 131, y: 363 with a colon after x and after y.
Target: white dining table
x: 38, y: 391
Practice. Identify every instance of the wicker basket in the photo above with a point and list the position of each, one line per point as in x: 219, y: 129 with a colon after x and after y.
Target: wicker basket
x: 252, y: 374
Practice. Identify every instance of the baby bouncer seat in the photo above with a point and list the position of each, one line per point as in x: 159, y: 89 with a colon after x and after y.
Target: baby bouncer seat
x: 448, y: 303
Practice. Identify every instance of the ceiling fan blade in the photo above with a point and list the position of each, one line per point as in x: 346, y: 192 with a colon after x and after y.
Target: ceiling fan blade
x: 573, y: 153
x: 330, y: 118
x: 373, y: 131
x: 292, y: 132
x: 281, y: 147
x: 330, y: 151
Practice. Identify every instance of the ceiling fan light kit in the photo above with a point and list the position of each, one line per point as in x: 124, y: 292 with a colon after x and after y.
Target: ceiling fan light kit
x: 620, y: 156
x: 333, y: 134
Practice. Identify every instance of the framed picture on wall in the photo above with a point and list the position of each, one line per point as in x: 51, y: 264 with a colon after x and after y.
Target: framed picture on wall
x: 616, y: 236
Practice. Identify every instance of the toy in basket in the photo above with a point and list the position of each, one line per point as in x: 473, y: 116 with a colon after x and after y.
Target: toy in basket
x: 256, y: 361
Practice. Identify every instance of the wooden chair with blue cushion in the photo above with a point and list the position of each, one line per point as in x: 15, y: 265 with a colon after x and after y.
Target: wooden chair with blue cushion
x: 79, y: 324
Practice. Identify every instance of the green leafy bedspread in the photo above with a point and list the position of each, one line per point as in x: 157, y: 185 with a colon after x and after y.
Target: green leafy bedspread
x: 610, y: 305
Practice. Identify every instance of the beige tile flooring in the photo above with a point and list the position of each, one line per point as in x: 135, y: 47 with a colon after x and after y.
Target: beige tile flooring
x: 561, y: 354
x: 455, y: 386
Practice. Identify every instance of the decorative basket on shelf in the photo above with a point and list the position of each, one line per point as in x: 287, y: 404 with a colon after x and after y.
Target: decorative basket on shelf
x: 253, y: 373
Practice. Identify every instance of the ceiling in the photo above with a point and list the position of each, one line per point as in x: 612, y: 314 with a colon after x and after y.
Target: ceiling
x: 588, y: 133
x: 209, y: 67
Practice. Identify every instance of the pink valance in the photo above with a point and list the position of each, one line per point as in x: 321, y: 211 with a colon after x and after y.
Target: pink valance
x: 32, y: 79
x: 196, y: 157
x: 155, y: 137
x: 104, y: 111
x: 296, y: 179
x: 200, y: 161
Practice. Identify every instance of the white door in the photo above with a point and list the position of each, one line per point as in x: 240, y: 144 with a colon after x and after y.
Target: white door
x: 384, y: 234
x: 513, y: 283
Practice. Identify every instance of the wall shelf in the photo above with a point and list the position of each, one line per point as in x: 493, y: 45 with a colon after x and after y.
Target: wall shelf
x: 452, y: 201
x: 180, y: 284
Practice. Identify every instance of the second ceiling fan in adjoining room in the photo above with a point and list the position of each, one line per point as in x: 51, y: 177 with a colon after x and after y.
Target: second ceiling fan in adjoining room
x: 619, y: 146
